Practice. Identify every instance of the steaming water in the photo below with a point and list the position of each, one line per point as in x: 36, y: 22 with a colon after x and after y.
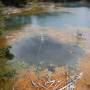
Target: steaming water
x: 37, y: 48
x: 34, y: 51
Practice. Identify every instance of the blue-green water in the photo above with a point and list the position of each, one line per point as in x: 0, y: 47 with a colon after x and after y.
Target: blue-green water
x: 73, y: 17
x: 34, y: 50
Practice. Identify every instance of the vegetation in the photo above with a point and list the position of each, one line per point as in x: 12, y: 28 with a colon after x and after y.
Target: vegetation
x: 2, y: 18
x: 4, y: 53
x: 6, y: 71
x: 18, y: 3
x: 22, y: 3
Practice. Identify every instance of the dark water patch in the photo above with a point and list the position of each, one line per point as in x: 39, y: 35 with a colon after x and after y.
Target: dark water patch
x: 17, y: 21
x: 36, y: 49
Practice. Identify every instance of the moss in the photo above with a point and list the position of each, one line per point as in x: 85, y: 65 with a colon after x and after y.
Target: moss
x: 5, y: 53
x: 6, y: 83
x: 1, y: 32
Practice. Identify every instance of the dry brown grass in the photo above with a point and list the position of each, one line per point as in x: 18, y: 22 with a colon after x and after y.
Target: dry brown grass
x: 84, y: 82
x: 44, y: 80
x: 6, y: 83
x: 3, y: 42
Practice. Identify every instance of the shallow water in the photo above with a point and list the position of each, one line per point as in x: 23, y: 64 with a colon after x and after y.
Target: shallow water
x: 71, y: 17
x: 48, y: 49
x: 37, y: 49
